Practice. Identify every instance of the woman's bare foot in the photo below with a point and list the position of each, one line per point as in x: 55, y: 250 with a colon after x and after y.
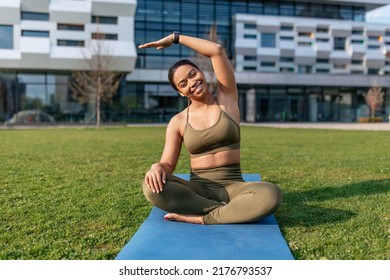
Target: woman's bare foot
x: 192, y: 219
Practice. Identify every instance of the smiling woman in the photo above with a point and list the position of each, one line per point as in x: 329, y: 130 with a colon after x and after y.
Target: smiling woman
x: 209, y: 127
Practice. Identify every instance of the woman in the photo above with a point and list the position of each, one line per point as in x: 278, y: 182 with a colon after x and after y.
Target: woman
x: 209, y: 128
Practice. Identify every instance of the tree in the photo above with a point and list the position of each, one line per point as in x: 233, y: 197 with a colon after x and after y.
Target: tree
x: 99, y: 82
x: 374, y: 99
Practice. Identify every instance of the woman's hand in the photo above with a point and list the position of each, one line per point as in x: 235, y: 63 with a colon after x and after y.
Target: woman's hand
x: 155, y: 177
x: 160, y: 44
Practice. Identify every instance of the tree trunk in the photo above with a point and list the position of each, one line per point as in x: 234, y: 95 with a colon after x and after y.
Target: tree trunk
x: 98, y: 103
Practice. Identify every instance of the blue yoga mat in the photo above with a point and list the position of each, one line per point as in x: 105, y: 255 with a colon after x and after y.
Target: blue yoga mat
x: 158, y: 239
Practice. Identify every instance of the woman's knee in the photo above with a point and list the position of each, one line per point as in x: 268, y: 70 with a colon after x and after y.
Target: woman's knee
x: 273, y: 195
x: 148, y: 192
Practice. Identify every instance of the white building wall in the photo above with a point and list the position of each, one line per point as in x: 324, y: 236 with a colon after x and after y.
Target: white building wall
x: 308, y: 41
x: 31, y: 52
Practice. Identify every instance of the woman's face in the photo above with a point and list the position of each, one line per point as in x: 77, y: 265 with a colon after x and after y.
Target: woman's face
x: 190, y: 82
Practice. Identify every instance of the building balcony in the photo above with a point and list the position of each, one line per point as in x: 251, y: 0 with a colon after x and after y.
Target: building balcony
x: 34, y: 52
x: 375, y: 30
x: 305, y: 56
x: 67, y: 11
x: 357, y: 51
x: 10, y: 58
x: 268, y: 24
x: 32, y: 45
x: 246, y: 46
x: 268, y: 54
x: 340, y: 57
x: 341, y: 29
x: 41, y: 6
x: 323, y: 49
x: 114, y: 7
x: 10, y: 12
x: 375, y: 58
x: 287, y: 48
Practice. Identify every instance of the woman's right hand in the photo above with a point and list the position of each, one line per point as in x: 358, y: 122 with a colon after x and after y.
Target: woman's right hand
x: 155, y: 177
x: 159, y: 44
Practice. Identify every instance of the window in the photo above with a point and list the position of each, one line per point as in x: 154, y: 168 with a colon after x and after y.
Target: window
x: 373, y: 47
x: 357, y: 62
x: 286, y: 9
x: 270, y: 8
x: 286, y: 27
x: 250, y: 68
x: 286, y: 69
x: 268, y: 40
x: 6, y: 37
x: 104, y: 20
x: 286, y: 59
x: 339, y: 43
x: 304, y: 44
x: 34, y: 16
x: 267, y: 64
x: 250, y: 58
x: 250, y: 36
x: 357, y: 32
x: 357, y: 42
x: 70, y: 27
x: 322, y: 70
x: 322, y: 30
x: 346, y: 13
x: 35, y: 33
x: 286, y: 38
x: 250, y: 26
x: 357, y: 72
x: 70, y: 43
x: 322, y: 60
x: 373, y: 71
x: 104, y: 36
x: 305, y: 34
x: 340, y: 66
x: 304, y: 69
x: 322, y: 40
x: 374, y: 38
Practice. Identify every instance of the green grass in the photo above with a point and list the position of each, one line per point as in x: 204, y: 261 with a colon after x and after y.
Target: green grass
x: 75, y: 193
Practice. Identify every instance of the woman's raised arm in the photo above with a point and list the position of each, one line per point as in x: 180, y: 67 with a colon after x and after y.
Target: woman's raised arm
x: 221, y: 64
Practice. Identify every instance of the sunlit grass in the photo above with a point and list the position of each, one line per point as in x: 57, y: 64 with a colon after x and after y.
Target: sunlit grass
x: 75, y: 193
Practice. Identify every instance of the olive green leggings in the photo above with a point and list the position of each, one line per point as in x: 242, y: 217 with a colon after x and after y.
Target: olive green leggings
x: 219, y: 194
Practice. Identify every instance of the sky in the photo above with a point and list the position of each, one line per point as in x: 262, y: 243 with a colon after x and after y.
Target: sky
x: 381, y: 15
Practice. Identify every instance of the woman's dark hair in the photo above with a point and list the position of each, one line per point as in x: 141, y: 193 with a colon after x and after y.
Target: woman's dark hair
x: 174, y: 67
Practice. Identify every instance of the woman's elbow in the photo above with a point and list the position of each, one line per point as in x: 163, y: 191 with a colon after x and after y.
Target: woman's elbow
x: 218, y: 49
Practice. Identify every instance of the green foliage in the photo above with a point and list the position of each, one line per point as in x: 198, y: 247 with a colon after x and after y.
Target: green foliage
x: 75, y: 193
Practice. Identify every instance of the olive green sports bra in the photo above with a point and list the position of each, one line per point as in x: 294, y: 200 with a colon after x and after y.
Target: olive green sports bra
x: 222, y: 136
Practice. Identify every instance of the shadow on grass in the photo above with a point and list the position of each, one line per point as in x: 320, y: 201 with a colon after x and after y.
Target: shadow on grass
x: 297, y: 211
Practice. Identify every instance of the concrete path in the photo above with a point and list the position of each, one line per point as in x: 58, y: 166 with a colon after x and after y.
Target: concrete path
x: 342, y: 126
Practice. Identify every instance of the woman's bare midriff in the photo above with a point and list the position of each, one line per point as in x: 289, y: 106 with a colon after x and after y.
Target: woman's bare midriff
x: 218, y: 159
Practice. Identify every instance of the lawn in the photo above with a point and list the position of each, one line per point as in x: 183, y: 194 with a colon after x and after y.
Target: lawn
x: 75, y: 193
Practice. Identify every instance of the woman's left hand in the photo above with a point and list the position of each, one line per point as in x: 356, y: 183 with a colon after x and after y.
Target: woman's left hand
x: 160, y: 44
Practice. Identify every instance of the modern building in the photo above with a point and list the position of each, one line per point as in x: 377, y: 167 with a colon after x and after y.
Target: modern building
x: 41, y: 42
x: 296, y: 60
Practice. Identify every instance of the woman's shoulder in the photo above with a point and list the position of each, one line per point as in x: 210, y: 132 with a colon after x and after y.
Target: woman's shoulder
x: 178, y: 121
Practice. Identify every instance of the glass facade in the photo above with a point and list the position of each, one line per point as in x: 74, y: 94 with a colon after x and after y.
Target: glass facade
x: 155, y: 18
x: 143, y: 101
x: 50, y: 93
